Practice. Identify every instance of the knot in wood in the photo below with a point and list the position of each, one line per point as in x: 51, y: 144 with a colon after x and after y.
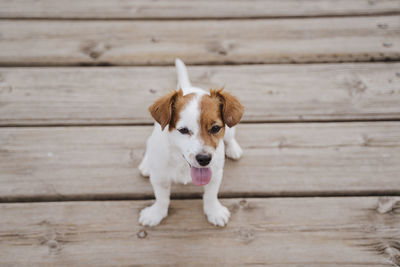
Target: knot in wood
x: 387, y: 204
x: 155, y: 39
x: 243, y: 202
x: 246, y: 235
x: 387, y: 44
x: 382, y: 26
x: 142, y: 234
x: 53, y: 244
x: 221, y: 48
x: 390, y: 249
x: 222, y: 52
x: 94, y: 49
x: 246, y: 205
x: 282, y: 142
x: 366, y: 140
x: 234, y: 208
x: 355, y: 87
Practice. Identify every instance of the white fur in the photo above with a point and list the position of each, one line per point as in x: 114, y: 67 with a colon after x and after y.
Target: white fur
x: 168, y: 155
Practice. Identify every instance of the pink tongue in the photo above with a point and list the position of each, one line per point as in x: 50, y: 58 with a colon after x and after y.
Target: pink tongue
x: 200, y: 176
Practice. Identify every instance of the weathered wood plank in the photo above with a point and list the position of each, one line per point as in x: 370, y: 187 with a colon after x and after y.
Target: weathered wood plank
x: 144, y: 9
x: 280, y: 159
x: 51, y: 96
x: 341, y: 39
x: 280, y: 232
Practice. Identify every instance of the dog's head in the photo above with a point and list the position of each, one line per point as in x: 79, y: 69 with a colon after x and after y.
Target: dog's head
x: 196, y: 125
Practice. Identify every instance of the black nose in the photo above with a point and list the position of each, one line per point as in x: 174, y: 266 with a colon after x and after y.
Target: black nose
x: 203, y: 159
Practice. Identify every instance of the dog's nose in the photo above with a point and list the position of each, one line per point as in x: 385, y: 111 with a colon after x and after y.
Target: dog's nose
x: 203, y: 159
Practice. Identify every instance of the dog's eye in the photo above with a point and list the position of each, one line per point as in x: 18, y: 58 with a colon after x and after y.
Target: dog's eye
x: 215, y: 129
x: 184, y: 130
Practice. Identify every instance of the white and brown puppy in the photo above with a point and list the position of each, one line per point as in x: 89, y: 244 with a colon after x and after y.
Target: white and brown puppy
x: 187, y: 145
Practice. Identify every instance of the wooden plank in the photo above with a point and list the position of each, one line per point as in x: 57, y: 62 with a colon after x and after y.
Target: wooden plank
x: 43, y: 42
x: 350, y: 231
x: 144, y: 9
x: 280, y: 159
x: 51, y: 96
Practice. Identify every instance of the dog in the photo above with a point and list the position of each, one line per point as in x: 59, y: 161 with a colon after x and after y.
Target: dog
x: 194, y: 129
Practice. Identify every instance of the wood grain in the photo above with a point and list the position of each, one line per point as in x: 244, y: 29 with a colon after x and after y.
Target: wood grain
x: 279, y: 232
x: 121, y: 95
x: 55, y: 43
x: 144, y: 9
x: 280, y: 160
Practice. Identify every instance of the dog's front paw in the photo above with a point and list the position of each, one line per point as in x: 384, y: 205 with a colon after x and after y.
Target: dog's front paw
x: 233, y: 150
x: 217, y: 214
x: 152, y: 216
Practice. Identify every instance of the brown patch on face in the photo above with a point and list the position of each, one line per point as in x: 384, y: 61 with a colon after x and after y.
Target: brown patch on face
x: 218, y: 108
x: 179, y: 104
x: 210, y: 115
x: 167, y: 108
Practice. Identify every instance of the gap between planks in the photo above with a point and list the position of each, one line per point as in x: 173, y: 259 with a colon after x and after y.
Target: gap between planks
x: 205, y: 18
x: 115, y: 9
x: 203, y: 63
x: 200, y: 64
x: 198, y: 196
x: 111, y: 124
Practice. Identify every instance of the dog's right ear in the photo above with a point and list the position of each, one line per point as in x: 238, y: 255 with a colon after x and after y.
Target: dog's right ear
x: 163, y: 109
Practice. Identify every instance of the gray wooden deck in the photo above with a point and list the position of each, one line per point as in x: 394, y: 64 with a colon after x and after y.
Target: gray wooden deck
x: 319, y: 183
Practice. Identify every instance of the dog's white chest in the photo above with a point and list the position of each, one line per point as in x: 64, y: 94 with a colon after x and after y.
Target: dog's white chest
x: 180, y: 171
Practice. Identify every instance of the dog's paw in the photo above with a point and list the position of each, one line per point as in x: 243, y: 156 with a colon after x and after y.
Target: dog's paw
x: 217, y: 214
x: 152, y: 216
x: 233, y: 150
x: 144, y: 170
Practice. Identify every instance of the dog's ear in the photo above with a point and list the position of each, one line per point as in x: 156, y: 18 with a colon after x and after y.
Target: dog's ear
x: 231, y: 109
x: 162, y: 110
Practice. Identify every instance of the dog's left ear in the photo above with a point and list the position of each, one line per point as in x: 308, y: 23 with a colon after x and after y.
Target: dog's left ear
x: 162, y: 110
x: 231, y: 109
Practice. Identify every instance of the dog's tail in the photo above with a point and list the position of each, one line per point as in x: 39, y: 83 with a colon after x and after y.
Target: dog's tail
x: 183, y: 78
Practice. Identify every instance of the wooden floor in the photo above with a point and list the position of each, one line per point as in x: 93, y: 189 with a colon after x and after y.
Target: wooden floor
x: 319, y: 183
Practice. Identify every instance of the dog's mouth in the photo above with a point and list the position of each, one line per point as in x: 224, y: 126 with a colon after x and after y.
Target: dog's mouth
x: 200, y: 176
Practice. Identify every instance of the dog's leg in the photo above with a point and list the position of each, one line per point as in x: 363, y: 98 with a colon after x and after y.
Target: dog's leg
x: 216, y: 213
x: 143, y: 167
x: 153, y: 215
x: 232, y: 148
